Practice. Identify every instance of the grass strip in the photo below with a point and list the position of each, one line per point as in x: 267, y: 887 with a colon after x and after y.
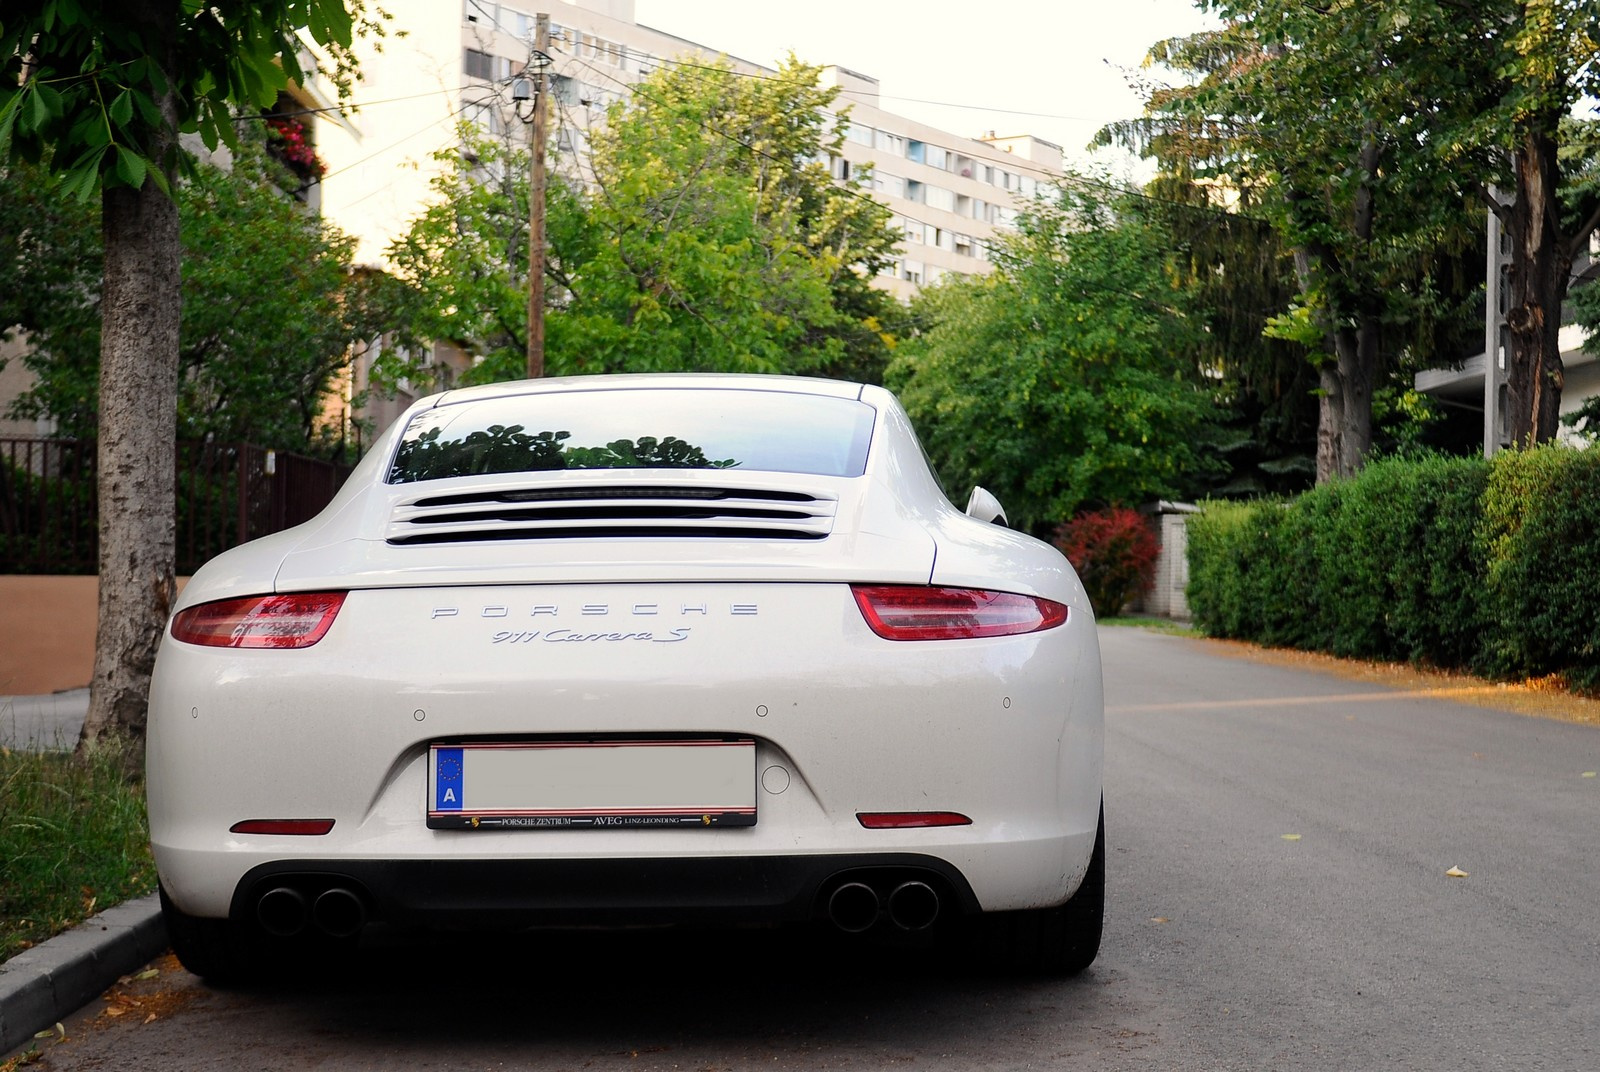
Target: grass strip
x: 73, y: 841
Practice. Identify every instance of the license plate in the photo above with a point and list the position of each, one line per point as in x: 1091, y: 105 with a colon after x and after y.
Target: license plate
x: 614, y: 785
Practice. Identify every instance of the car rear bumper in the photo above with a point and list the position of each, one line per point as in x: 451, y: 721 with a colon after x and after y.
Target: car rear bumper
x: 512, y: 894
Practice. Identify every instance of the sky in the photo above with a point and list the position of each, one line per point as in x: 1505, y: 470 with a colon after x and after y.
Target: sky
x: 1051, y: 68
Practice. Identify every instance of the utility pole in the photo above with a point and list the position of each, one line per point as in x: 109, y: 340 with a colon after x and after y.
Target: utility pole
x: 536, y: 186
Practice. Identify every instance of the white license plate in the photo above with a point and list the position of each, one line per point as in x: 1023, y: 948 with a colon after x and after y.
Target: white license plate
x: 629, y: 785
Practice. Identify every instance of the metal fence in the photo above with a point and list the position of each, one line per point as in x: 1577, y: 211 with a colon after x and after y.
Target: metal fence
x: 226, y: 494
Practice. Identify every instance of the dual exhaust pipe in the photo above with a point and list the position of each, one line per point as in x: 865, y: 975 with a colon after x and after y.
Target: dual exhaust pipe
x: 855, y: 906
x: 337, y: 912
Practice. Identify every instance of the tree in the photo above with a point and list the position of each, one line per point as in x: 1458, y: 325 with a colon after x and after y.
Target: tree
x: 706, y: 235
x: 1378, y: 130
x: 1064, y: 378
x: 1303, y: 110
x: 1508, y: 75
x: 270, y: 303
x: 99, y: 92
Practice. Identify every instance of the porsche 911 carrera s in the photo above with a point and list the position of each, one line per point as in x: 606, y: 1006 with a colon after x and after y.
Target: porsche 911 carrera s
x: 633, y: 650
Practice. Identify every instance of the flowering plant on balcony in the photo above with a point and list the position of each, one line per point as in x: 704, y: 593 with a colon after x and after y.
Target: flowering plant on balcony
x: 286, y: 139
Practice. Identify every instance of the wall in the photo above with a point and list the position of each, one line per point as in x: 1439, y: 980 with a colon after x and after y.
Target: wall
x: 47, y: 633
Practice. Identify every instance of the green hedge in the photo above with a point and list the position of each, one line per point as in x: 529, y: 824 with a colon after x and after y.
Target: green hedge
x: 1452, y: 562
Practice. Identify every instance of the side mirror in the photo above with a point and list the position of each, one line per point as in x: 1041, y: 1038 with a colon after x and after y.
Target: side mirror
x: 985, y: 507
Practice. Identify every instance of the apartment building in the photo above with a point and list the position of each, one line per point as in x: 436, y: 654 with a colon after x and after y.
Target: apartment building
x: 950, y: 193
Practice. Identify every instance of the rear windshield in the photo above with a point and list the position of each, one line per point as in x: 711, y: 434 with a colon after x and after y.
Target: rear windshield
x: 638, y: 429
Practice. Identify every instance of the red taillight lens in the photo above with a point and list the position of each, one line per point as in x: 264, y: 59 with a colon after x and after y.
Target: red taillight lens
x: 288, y: 621
x: 906, y: 820
x: 905, y: 612
x: 297, y: 827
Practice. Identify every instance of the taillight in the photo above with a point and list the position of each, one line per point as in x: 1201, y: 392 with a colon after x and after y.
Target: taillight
x: 298, y: 620
x: 905, y: 612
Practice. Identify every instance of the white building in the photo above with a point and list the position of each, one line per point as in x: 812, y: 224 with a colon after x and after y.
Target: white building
x: 455, y: 61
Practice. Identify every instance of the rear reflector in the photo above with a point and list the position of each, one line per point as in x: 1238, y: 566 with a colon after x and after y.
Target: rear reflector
x: 900, y: 820
x: 281, y: 826
x: 906, y: 612
x: 298, y: 620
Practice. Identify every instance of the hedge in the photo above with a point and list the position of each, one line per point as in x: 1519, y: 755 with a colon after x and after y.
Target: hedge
x: 1488, y: 566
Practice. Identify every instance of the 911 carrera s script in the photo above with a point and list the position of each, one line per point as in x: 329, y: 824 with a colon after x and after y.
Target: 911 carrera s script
x: 573, y: 636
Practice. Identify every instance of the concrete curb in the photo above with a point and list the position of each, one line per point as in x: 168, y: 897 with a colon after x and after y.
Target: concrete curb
x: 43, y: 985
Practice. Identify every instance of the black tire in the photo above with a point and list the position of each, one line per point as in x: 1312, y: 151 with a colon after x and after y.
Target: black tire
x: 1060, y: 941
x: 217, y: 950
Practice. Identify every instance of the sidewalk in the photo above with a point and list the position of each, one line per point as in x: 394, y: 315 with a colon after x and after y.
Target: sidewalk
x: 45, y: 723
x: 42, y: 985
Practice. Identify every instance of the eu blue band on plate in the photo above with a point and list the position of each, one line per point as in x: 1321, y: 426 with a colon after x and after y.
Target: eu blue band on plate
x: 447, y: 779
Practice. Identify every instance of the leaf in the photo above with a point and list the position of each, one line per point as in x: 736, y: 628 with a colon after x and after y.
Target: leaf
x: 1589, y: 774
x: 131, y: 167
x: 1291, y: 837
x: 1456, y: 872
x: 116, y: 1010
x: 148, y: 973
x: 122, y: 108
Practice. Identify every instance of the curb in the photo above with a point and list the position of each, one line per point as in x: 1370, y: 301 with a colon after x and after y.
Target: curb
x: 43, y: 985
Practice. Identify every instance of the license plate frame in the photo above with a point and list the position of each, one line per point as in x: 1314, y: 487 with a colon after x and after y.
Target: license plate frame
x: 697, y: 783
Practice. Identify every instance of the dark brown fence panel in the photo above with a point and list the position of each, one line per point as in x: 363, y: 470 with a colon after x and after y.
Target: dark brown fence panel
x: 226, y: 494
x: 48, y: 509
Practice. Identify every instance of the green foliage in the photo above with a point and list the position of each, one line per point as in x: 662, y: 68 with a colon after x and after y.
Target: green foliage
x: 85, y: 84
x: 271, y: 304
x: 73, y: 841
x: 1114, y: 552
x: 1060, y: 381
x: 1442, y: 561
x: 712, y: 239
x: 1541, y: 532
x: 1305, y: 114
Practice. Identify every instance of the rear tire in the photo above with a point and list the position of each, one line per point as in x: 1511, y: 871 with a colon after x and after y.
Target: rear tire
x: 217, y: 950
x: 1060, y: 941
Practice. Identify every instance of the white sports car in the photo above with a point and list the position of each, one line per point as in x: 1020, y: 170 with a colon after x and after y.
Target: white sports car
x: 633, y: 650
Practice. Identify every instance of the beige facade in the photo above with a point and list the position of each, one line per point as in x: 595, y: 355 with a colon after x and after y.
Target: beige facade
x: 950, y: 193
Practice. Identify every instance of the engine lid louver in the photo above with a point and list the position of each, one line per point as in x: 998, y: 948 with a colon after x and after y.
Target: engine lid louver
x: 613, y: 512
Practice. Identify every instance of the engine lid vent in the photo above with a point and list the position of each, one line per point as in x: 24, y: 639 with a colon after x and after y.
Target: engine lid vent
x: 614, y: 512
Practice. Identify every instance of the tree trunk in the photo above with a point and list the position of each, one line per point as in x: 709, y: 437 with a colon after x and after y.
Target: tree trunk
x: 138, y: 419
x: 1541, y: 267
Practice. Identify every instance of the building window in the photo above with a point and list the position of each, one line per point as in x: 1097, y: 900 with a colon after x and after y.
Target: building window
x: 911, y: 272
x: 939, y: 197
x: 938, y: 158
x: 478, y: 65
x: 914, y: 151
x: 889, y: 185
x: 890, y: 143
x: 861, y: 135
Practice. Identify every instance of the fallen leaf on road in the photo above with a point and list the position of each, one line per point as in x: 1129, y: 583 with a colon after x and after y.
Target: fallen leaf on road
x: 116, y: 1010
x: 148, y: 973
x: 1456, y: 872
x: 1291, y: 837
x: 1159, y: 919
x: 149, y: 1018
x: 1588, y: 774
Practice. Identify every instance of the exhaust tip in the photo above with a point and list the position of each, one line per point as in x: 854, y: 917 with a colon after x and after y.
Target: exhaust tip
x: 913, y: 906
x: 282, y: 912
x: 339, y: 912
x: 853, y: 907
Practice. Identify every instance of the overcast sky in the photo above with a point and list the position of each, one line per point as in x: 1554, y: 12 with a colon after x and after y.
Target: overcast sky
x: 1051, y: 68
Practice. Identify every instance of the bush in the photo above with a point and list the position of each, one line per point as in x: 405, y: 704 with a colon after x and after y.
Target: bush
x: 1114, y: 552
x: 1541, y: 537
x: 1454, y: 562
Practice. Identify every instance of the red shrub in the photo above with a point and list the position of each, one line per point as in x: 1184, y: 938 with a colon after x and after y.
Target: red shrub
x: 1114, y: 552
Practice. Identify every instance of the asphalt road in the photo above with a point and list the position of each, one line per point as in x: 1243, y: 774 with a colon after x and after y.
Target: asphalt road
x: 1278, y: 899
